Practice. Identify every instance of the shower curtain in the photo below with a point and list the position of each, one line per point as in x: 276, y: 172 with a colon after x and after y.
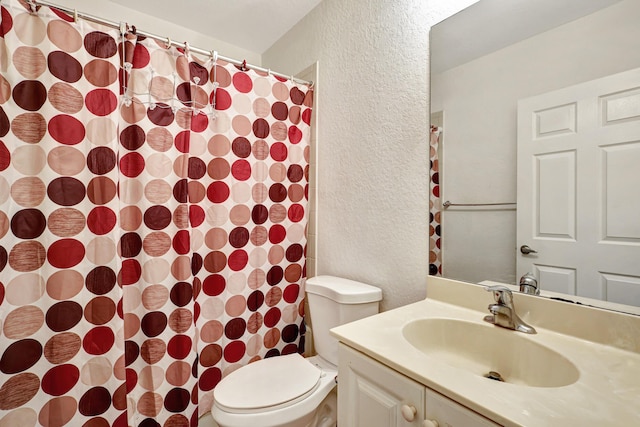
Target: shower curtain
x: 152, y: 223
x: 435, y: 204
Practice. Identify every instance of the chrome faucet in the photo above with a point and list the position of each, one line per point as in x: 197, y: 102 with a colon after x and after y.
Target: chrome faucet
x: 503, y: 313
x: 529, y: 284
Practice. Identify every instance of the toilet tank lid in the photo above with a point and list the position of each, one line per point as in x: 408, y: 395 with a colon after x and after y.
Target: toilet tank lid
x: 342, y: 290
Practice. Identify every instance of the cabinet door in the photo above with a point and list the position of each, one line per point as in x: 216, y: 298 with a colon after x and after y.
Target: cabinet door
x: 452, y: 414
x: 373, y: 395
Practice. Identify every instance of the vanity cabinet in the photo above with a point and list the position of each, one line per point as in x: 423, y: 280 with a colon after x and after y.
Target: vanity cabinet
x: 371, y: 394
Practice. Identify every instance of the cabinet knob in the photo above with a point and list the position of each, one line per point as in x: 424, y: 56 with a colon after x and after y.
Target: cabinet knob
x: 430, y: 423
x: 408, y: 412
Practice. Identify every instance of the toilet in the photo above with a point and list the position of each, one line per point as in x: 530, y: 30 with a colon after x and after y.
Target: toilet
x: 290, y: 390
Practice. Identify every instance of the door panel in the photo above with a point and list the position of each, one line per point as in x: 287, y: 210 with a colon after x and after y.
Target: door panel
x: 622, y: 289
x: 555, y: 190
x: 556, y: 279
x: 621, y: 212
x: 579, y: 188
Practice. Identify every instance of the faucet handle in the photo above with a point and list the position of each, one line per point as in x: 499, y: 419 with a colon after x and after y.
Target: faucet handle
x: 529, y: 284
x: 496, y: 288
x: 501, y: 294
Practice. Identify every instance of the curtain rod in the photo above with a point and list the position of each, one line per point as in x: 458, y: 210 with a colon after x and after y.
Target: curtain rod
x: 76, y: 14
x: 448, y: 203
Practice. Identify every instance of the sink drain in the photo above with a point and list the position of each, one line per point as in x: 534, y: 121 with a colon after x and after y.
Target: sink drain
x: 493, y: 375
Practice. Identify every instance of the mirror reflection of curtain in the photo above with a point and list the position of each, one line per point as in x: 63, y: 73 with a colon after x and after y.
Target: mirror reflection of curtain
x: 435, y: 260
x: 149, y: 243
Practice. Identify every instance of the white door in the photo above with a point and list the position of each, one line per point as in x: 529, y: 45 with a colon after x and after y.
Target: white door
x: 579, y: 188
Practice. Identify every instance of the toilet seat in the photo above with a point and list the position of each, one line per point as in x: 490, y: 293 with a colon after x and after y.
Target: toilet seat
x: 276, y: 382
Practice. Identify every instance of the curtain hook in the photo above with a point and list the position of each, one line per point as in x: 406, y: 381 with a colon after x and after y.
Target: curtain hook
x: 186, y: 48
x: 214, y: 56
x: 123, y: 28
x: 243, y: 67
x: 33, y: 6
x: 75, y: 16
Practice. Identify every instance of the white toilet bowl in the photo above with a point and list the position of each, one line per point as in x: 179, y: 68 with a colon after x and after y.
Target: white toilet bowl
x: 291, y: 391
x: 283, y: 391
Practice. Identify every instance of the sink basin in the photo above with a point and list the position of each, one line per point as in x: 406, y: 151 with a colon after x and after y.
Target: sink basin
x: 482, y: 348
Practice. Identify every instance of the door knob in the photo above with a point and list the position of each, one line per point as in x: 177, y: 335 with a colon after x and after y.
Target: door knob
x: 430, y: 423
x: 526, y: 250
x: 408, y: 412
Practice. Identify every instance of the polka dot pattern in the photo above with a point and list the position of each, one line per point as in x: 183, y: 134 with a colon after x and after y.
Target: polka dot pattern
x: 435, y: 258
x: 147, y: 246
x: 58, y: 217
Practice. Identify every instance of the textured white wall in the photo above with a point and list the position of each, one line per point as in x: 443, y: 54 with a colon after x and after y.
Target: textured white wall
x: 373, y: 117
x: 479, y: 102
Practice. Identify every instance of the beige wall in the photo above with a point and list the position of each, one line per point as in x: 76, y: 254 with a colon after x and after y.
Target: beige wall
x: 372, y: 207
x: 479, y: 103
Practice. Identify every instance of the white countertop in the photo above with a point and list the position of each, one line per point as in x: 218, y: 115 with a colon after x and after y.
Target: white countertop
x: 606, y: 353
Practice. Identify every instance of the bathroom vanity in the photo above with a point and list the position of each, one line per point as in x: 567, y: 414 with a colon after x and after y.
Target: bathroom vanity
x: 428, y: 364
x: 377, y: 395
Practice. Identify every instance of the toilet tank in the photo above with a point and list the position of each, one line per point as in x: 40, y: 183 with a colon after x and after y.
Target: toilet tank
x: 335, y: 301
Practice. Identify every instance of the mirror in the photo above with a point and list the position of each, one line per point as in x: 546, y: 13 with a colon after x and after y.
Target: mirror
x: 483, y: 60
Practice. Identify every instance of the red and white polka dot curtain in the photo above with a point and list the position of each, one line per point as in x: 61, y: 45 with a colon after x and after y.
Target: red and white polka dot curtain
x: 152, y: 223
x: 435, y: 204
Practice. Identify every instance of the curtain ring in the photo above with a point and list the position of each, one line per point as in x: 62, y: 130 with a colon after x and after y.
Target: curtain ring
x: 75, y: 16
x: 214, y: 56
x: 186, y: 48
x: 168, y: 43
x: 33, y: 6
